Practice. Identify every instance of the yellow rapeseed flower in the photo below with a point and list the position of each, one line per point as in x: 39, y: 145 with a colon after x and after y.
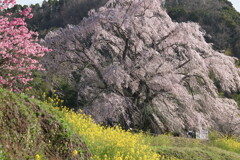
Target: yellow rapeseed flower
x: 75, y: 152
x: 37, y: 157
x: 106, y: 143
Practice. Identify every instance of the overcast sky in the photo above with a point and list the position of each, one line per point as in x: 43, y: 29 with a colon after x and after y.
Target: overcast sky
x: 28, y: 1
x: 236, y: 3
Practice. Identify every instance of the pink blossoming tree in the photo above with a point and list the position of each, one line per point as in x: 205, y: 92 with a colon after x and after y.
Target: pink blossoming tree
x: 19, y: 50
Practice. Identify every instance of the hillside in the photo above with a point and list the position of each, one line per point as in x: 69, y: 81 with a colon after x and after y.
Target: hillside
x: 31, y: 129
x: 217, y: 17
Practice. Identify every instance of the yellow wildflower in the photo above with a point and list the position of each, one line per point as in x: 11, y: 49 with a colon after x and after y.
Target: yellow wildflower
x: 37, y: 157
x: 75, y: 152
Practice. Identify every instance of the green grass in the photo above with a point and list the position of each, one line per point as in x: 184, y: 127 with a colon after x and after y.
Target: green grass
x: 3, y: 155
x: 217, y: 148
x: 197, y: 153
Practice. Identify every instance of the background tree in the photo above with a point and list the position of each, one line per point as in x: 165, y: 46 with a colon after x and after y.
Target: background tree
x: 217, y: 17
x: 54, y: 14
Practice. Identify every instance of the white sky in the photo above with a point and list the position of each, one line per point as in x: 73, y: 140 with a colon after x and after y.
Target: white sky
x: 236, y: 3
x: 27, y: 2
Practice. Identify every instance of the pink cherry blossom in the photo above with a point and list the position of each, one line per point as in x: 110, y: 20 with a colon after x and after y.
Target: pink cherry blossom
x: 19, y: 50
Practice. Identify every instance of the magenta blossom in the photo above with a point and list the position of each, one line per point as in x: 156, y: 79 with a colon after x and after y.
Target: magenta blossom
x: 19, y: 50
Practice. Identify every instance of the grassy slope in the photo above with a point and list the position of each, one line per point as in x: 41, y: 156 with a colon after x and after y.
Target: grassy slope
x: 30, y: 129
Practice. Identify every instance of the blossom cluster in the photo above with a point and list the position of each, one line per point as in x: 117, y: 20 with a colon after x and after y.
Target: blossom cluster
x: 19, y: 49
x: 6, y: 4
